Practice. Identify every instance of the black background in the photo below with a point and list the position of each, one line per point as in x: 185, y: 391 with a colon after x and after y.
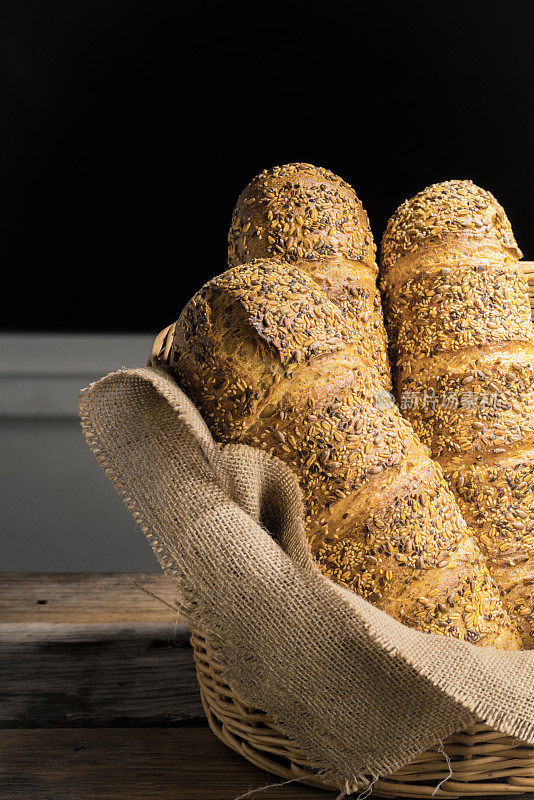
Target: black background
x: 128, y: 130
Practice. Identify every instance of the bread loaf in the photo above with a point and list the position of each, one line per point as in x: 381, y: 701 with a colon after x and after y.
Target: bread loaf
x: 311, y: 218
x: 272, y: 362
x: 462, y: 350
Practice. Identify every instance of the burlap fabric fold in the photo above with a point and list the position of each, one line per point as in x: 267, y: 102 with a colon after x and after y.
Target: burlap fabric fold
x: 357, y: 691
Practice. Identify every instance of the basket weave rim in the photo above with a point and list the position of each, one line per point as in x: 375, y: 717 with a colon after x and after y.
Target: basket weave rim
x: 482, y: 761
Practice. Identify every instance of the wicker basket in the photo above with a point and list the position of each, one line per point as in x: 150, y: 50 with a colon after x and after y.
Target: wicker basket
x: 483, y: 762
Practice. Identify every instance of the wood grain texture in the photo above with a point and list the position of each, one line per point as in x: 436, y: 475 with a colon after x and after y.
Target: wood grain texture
x: 55, y: 674
x: 99, y: 700
x: 126, y: 764
x: 84, y: 597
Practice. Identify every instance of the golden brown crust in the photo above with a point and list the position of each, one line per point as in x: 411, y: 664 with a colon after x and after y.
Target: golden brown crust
x: 496, y: 501
x: 309, y: 217
x: 456, y: 206
x: 273, y: 363
x: 298, y: 212
x: 436, y: 308
x: 463, y: 353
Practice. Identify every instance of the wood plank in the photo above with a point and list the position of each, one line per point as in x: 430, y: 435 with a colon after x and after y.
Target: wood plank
x: 84, y: 597
x: 94, y: 675
x: 130, y: 764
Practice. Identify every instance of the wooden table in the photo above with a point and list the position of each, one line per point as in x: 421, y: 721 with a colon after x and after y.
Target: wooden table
x: 99, y: 699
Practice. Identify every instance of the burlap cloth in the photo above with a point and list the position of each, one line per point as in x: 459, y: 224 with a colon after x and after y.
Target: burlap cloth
x: 357, y: 691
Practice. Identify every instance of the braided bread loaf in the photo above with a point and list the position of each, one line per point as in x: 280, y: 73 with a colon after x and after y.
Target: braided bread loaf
x: 273, y: 363
x: 462, y: 347
x: 309, y: 217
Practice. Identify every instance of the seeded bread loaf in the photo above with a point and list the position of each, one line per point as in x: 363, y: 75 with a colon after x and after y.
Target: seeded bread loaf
x: 273, y: 363
x: 311, y: 218
x: 462, y: 350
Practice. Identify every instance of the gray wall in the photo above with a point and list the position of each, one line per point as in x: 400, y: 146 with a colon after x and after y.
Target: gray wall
x: 59, y: 511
